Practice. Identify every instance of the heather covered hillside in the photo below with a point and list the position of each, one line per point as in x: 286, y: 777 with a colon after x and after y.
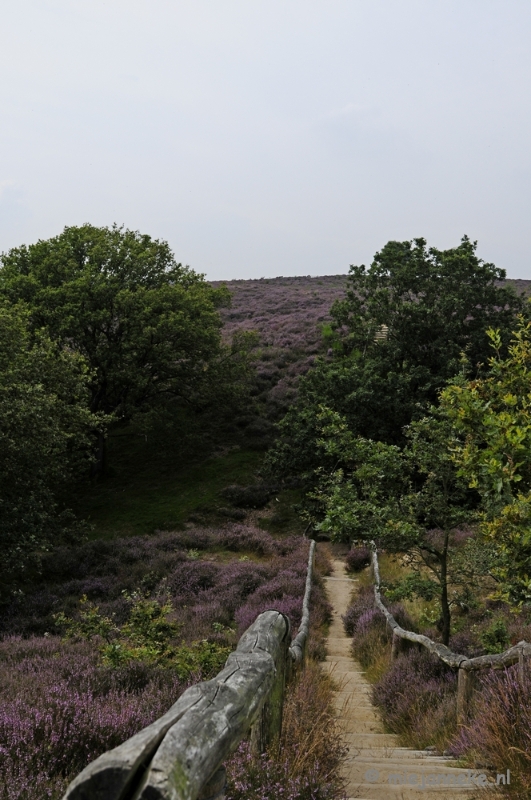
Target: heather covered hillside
x: 289, y: 315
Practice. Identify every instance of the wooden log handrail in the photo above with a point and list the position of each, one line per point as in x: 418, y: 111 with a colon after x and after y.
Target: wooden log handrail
x: 444, y: 653
x: 180, y: 756
x: 298, y: 645
x: 455, y: 660
x: 465, y: 665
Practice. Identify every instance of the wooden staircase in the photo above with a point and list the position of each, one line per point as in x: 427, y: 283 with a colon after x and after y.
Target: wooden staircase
x: 377, y: 768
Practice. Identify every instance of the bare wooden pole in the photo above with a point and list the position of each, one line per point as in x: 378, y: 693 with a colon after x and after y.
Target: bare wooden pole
x: 466, y: 683
x: 395, y: 647
x: 521, y: 666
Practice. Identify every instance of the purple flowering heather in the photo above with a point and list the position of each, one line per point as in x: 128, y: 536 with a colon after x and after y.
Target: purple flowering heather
x: 499, y: 731
x: 358, y: 558
x: 363, y: 602
x: 287, y: 313
x: 269, y: 779
x: 59, y: 708
x: 415, y: 682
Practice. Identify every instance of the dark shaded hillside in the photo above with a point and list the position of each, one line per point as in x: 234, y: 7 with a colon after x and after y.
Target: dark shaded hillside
x: 288, y: 313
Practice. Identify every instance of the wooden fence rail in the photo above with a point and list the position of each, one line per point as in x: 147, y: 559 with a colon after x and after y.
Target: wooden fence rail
x: 180, y: 756
x: 467, y: 667
x: 298, y: 645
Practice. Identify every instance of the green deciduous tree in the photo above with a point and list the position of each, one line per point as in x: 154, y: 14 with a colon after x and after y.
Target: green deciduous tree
x: 45, y: 437
x: 395, y: 340
x: 148, y: 327
x: 434, y: 305
x: 492, y: 418
x: 409, y: 499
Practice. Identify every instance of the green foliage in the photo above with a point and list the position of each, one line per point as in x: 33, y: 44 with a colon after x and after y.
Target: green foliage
x: 492, y: 449
x: 495, y: 639
x: 382, y: 490
x: 474, y: 559
x: 149, y: 636
x: 410, y: 499
x: 358, y: 500
x: 434, y: 304
x: 90, y: 623
x: 45, y: 438
x: 413, y: 585
x: 148, y: 327
x: 494, y: 413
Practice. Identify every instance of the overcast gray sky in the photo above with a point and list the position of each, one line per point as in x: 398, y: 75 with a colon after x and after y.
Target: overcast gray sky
x: 287, y: 137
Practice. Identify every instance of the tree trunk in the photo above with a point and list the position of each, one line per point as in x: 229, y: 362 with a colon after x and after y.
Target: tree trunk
x: 445, y: 606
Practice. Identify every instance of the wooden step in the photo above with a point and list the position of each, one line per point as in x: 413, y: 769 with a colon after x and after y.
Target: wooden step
x: 376, y: 768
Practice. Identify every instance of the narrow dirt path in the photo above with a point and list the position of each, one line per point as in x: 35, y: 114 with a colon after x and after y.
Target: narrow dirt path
x: 376, y: 767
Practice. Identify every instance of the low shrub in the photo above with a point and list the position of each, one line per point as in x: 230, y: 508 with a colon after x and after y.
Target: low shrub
x: 149, y: 636
x: 364, y: 601
x: 256, y: 496
x: 358, y: 558
x: 498, y: 735
x: 495, y: 638
x: 417, y: 699
x: 367, y: 625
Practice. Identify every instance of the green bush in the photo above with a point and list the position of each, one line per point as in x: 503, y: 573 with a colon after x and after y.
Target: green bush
x: 148, y: 636
x: 496, y: 638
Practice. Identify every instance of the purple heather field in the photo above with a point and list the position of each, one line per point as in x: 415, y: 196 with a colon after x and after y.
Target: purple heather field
x: 61, y: 706
x: 288, y: 314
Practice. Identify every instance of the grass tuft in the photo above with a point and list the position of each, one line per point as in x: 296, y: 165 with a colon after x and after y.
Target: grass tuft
x: 308, y: 764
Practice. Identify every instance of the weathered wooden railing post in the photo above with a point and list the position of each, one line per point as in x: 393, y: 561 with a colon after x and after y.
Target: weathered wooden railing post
x: 298, y: 645
x: 266, y: 731
x: 521, y: 666
x: 395, y: 646
x: 467, y: 668
x: 466, y: 683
